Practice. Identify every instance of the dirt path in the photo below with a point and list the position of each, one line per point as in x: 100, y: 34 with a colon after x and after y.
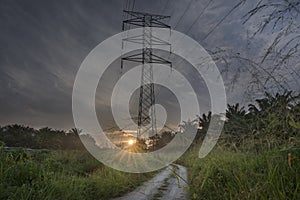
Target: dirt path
x: 164, y: 186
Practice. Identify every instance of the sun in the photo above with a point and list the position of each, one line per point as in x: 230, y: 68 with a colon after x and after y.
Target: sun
x: 130, y: 142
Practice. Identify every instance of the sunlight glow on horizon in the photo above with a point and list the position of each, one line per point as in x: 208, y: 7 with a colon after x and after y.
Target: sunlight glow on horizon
x: 130, y: 142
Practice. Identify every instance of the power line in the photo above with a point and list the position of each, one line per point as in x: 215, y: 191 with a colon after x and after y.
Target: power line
x: 236, y: 6
x: 165, y: 7
x: 198, y: 17
x: 130, y: 8
x: 191, y: 26
x: 125, y: 15
x: 185, y: 11
x: 133, y: 3
x: 221, y: 21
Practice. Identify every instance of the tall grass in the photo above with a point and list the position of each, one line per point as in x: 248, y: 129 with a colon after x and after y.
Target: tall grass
x: 60, y: 175
x: 226, y: 174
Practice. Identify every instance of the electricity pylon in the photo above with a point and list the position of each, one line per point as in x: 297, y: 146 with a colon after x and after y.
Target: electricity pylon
x: 146, y: 110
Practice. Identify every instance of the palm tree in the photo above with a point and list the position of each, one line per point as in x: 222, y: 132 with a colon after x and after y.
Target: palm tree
x: 235, y: 112
x: 75, y: 131
x: 272, y: 115
x: 236, y: 121
x: 188, y: 126
x: 204, y: 121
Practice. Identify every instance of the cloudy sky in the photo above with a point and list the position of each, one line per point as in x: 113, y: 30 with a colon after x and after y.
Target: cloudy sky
x: 43, y: 43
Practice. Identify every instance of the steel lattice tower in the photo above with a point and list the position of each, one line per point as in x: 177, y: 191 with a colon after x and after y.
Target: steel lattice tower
x: 146, y: 111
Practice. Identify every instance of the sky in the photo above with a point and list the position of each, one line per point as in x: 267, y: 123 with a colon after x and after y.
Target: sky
x: 43, y: 43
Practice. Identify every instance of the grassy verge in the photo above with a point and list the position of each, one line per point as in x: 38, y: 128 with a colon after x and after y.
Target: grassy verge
x: 61, y: 175
x: 224, y: 174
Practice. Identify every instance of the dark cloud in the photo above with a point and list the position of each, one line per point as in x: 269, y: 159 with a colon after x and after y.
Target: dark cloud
x: 42, y: 44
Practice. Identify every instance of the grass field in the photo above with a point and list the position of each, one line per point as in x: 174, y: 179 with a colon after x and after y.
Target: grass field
x: 226, y: 174
x: 45, y: 174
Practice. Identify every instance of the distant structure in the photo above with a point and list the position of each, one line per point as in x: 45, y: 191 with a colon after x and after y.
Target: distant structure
x: 146, y: 112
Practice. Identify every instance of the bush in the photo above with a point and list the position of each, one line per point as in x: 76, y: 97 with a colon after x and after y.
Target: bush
x: 60, y: 175
x: 230, y: 175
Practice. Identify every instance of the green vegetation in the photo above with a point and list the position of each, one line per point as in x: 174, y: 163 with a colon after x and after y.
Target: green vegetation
x: 268, y: 124
x: 257, y: 156
x: 44, y: 138
x: 225, y: 174
x: 45, y: 174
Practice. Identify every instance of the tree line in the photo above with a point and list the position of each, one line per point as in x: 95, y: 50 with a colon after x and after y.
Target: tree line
x: 272, y: 119
x: 44, y: 138
x: 270, y: 122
